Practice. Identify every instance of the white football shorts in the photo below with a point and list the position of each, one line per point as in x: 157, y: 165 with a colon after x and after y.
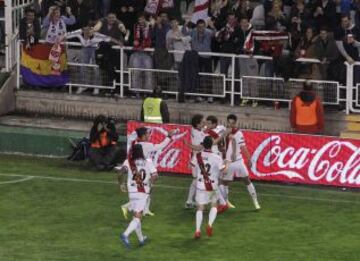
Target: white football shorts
x: 203, y: 197
x: 138, y: 201
x: 236, y: 169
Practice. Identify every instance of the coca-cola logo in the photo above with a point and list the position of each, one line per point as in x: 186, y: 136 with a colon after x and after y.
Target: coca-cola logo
x: 169, y: 156
x: 328, y: 164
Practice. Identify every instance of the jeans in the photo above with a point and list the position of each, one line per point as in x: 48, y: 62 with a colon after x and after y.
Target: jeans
x: 141, y: 79
x: 93, y: 74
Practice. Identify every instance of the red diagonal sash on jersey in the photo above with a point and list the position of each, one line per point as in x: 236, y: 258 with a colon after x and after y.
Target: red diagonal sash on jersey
x: 205, y: 173
x: 136, y: 175
x: 212, y: 133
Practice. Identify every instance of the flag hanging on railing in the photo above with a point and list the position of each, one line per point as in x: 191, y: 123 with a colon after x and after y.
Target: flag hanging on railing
x: 44, y: 65
x: 201, y: 9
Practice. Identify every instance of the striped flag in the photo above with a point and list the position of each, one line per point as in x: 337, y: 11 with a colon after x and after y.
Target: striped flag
x: 200, y: 11
x: 271, y: 42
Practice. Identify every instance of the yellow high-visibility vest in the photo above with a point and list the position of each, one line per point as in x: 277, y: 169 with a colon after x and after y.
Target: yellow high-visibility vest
x: 152, y: 113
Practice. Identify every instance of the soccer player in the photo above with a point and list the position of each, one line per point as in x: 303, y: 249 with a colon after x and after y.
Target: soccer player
x: 216, y: 131
x: 197, y: 137
x: 235, y: 148
x: 140, y: 172
x: 143, y: 135
x: 208, y: 167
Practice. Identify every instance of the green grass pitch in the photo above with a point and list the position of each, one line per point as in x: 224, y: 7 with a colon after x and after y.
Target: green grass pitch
x: 67, y: 212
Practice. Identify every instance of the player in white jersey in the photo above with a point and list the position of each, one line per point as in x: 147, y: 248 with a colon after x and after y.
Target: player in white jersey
x: 197, y: 137
x: 140, y: 173
x: 208, y: 167
x: 235, y: 149
x: 142, y: 138
x: 216, y: 131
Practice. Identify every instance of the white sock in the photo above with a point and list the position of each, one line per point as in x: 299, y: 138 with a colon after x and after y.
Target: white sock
x: 199, y: 218
x: 139, y: 232
x: 192, y: 191
x: 147, y: 205
x: 223, y: 194
x: 252, y: 192
x: 222, y: 201
x: 132, y: 226
x: 212, y: 215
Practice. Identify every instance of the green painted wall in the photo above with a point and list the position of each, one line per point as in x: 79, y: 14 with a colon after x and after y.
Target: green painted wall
x: 39, y: 141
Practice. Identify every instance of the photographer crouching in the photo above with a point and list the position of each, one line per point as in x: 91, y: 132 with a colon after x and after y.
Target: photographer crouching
x: 104, y: 152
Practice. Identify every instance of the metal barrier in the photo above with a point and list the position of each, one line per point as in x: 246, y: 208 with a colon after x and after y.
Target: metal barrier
x: 215, y: 84
x: 13, y: 14
x: 352, y: 87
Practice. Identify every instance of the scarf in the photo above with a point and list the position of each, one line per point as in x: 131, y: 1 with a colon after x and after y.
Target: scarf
x: 55, y: 31
x: 142, y: 36
x: 154, y: 6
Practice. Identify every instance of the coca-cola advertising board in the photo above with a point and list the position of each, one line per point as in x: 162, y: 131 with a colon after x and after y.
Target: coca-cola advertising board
x: 292, y: 158
x: 175, y: 156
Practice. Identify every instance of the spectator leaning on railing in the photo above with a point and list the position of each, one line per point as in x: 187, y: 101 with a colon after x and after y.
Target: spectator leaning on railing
x: 201, y: 38
x: 90, y: 42
x: 176, y: 40
x: 347, y: 37
x: 140, y: 59
x: 29, y: 28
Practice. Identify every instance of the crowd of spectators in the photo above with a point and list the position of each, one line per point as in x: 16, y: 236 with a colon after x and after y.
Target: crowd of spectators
x: 327, y: 30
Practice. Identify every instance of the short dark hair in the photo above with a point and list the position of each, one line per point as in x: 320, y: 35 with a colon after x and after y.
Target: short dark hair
x: 141, y: 131
x: 232, y: 117
x: 212, y: 119
x: 200, y: 21
x: 196, y: 120
x: 345, y: 15
x: 208, y: 142
x: 157, y: 92
x: 29, y: 9
x: 137, y: 152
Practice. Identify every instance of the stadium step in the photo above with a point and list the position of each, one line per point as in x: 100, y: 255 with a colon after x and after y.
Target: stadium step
x: 352, y: 127
x: 350, y: 135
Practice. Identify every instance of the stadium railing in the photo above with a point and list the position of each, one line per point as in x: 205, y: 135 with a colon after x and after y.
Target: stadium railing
x: 13, y: 13
x: 213, y: 84
x: 353, y: 88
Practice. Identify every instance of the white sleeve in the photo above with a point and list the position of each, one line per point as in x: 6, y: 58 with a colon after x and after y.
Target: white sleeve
x: 161, y: 145
x: 240, y: 139
x: 151, y: 167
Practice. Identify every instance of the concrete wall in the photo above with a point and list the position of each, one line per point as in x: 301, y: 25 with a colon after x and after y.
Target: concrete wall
x: 87, y: 107
x: 7, y: 95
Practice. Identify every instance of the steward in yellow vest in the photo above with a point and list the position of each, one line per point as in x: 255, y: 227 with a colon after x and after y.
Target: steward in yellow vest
x: 154, y: 109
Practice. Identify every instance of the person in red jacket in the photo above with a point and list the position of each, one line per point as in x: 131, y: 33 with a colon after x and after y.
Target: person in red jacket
x: 307, y: 113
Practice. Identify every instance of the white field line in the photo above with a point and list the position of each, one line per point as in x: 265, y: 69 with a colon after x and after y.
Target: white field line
x: 17, y: 180
x: 180, y: 188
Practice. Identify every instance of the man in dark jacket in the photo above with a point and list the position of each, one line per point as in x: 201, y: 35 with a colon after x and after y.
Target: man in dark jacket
x: 326, y: 51
x: 104, y: 152
x: 29, y: 28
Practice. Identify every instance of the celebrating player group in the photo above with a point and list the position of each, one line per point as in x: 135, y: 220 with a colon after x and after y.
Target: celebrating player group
x: 218, y: 154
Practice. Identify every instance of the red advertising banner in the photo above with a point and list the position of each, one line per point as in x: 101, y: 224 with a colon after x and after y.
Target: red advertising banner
x: 304, y: 159
x: 283, y: 157
x: 175, y: 157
